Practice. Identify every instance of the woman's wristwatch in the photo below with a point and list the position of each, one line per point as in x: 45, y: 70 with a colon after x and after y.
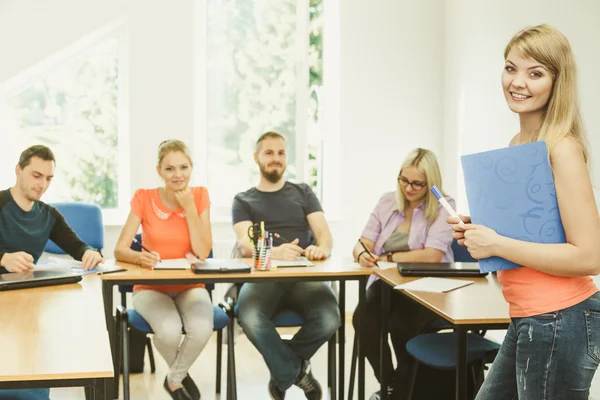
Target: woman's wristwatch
x: 390, y: 256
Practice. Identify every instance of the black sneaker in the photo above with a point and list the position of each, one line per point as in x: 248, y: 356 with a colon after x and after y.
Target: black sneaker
x: 377, y: 394
x: 307, y: 382
x: 275, y: 392
x: 191, y: 387
x: 178, y: 394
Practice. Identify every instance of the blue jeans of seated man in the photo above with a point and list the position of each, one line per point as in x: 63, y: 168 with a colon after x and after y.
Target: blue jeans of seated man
x: 315, y: 301
x: 25, y: 394
x: 551, y: 356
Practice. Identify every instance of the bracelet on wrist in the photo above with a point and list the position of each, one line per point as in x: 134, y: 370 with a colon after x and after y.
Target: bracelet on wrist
x: 360, y: 254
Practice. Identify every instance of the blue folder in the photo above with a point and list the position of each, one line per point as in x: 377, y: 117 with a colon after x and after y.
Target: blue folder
x: 512, y: 191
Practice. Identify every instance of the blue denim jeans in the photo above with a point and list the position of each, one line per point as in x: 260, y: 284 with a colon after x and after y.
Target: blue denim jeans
x: 315, y: 301
x: 551, y: 356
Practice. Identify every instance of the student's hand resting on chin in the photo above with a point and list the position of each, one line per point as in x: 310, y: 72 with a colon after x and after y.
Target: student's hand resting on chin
x: 17, y: 262
x: 90, y: 259
x: 185, y: 198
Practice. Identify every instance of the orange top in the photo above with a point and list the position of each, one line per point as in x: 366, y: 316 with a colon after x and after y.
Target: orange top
x: 166, y: 231
x: 530, y: 292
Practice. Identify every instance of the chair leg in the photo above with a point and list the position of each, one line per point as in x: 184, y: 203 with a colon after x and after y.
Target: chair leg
x: 231, y: 383
x: 219, y: 358
x: 353, y: 368
x: 150, y: 354
x: 118, y: 355
x: 413, y: 380
x: 125, y: 342
x: 331, y: 363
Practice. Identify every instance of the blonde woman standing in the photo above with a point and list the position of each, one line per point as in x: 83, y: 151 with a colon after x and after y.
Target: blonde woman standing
x: 552, y: 346
x: 175, y: 221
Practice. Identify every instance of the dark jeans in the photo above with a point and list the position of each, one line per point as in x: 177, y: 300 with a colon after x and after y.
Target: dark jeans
x: 259, y: 302
x: 551, y: 356
x: 406, y: 320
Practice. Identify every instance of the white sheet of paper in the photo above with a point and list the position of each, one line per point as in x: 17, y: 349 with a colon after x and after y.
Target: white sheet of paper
x: 387, y: 265
x: 300, y: 262
x: 174, y: 263
x: 434, y: 285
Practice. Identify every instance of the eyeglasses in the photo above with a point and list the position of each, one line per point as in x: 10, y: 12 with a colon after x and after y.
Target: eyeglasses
x: 416, y: 185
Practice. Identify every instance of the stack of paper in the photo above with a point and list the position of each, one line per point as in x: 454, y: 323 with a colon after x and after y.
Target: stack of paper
x: 434, y: 285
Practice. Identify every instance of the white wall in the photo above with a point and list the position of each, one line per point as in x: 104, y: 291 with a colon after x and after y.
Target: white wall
x: 476, y: 117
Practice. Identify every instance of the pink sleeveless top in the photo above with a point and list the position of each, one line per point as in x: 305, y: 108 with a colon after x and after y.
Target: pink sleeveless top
x: 530, y: 292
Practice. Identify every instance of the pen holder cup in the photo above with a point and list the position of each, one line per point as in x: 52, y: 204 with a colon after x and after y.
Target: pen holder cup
x: 261, y: 258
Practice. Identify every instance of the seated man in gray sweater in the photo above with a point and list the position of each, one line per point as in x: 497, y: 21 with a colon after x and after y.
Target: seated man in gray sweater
x: 26, y: 224
x: 293, y: 211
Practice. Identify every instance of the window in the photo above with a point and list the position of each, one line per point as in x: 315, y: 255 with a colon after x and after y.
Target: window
x: 264, y: 71
x: 71, y: 104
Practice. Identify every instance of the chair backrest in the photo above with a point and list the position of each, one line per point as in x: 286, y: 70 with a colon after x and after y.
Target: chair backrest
x: 85, y: 219
x: 461, y: 254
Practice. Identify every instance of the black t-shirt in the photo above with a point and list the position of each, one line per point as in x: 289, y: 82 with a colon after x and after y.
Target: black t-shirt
x: 283, y: 211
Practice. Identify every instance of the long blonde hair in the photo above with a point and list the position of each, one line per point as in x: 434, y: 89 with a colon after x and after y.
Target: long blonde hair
x: 170, y: 146
x: 561, y: 117
x: 426, y: 163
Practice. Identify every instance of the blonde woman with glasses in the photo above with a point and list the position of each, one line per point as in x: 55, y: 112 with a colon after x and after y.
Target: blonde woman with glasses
x: 407, y: 225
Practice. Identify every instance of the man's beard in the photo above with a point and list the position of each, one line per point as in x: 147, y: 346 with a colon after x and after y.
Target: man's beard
x: 273, y: 176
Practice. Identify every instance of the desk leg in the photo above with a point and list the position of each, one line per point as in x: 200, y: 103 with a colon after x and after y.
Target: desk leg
x: 461, y: 364
x: 107, y: 296
x: 362, y: 294
x: 342, y: 338
x: 383, y: 344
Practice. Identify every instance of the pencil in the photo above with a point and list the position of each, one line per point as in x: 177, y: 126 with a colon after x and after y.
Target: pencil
x: 142, y: 246
x: 367, y: 250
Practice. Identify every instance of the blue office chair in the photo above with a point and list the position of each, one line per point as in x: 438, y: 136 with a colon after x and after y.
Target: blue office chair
x: 25, y: 394
x: 130, y: 319
x: 438, y: 349
x: 85, y: 219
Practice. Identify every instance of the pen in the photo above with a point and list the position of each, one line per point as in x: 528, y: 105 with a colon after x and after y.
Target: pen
x: 367, y: 250
x: 142, y: 246
x: 112, y: 271
x: 438, y: 195
x: 284, y: 240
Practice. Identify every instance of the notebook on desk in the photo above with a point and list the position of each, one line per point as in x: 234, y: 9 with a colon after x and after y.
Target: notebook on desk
x: 32, y: 279
x: 456, y: 269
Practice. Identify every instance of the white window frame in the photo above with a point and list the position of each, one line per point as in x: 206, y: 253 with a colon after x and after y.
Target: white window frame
x: 330, y: 160
x: 117, y: 28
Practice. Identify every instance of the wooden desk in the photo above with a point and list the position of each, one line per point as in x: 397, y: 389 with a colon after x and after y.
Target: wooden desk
x: 335, y: 269
x: 55, y: 336
x: 477, y: 306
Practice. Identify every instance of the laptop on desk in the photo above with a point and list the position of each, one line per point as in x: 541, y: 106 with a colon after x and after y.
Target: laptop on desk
x: 453, y: 269
x: 32, y: 279
x: 216, y: 266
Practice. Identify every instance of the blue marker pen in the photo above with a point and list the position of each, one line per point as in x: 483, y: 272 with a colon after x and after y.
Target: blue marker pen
x: 438, y: 195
